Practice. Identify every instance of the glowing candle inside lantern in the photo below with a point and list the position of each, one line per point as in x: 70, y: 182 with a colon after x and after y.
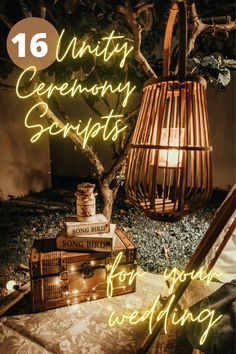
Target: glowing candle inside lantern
x: 172, y: 137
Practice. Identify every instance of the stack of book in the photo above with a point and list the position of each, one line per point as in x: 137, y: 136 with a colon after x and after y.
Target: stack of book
x: 86, y: 231
x: 75, y: 266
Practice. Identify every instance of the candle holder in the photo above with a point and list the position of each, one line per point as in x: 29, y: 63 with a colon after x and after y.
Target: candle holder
x: 169, y: 171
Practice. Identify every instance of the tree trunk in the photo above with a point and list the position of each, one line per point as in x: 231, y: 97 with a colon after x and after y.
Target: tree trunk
x: 108, y: 196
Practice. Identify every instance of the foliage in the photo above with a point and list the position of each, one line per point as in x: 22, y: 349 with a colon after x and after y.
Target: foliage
x: 209, y: 43
x: 93, y: 18
x: 213, y: 67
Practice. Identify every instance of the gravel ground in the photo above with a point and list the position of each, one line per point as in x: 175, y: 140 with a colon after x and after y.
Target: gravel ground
x: 160, y: 245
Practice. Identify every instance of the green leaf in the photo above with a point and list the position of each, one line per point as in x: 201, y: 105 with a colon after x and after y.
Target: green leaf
x: 224, y: 76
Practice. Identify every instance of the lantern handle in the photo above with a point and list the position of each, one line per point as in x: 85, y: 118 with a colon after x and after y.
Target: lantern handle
x: 177, y: 7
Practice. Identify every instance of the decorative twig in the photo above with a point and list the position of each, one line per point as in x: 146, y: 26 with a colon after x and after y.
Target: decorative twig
x: 131, y: 17
x: 198, y: 25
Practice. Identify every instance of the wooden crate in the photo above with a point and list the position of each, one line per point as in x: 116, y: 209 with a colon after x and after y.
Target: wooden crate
x: 60, y: 278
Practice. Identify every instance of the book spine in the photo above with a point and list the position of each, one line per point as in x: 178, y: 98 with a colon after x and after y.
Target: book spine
x: 84, y: 244
x: 88, y: 229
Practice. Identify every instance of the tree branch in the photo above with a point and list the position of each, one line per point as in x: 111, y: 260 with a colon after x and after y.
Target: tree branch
x: 5, y: 21
x: 96, y: 111
x: 97, y: 77
x: 25, y: 9
x: 120, y: 162
x: 42, y: 9
x: 229, y: 63
x: 131, y: 17
x: 198, y: 25
x: 87, y: 151
x: 131, y: 114
x: 4, y: 87
x: 142, y: 8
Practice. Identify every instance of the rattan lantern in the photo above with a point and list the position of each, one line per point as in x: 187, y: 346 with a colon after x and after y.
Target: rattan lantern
x: 169, y: 170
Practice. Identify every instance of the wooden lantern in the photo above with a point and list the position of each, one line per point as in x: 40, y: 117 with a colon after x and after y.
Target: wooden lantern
x: 169, y: 170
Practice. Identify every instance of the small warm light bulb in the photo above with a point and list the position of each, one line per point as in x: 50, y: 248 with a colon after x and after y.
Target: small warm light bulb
x: 10, y: 285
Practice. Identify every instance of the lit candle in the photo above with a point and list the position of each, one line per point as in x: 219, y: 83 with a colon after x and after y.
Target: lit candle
x: 173, y: 137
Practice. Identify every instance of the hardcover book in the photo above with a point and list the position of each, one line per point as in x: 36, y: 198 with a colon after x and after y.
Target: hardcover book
x: 74, y: 227
x: 97, y: 242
